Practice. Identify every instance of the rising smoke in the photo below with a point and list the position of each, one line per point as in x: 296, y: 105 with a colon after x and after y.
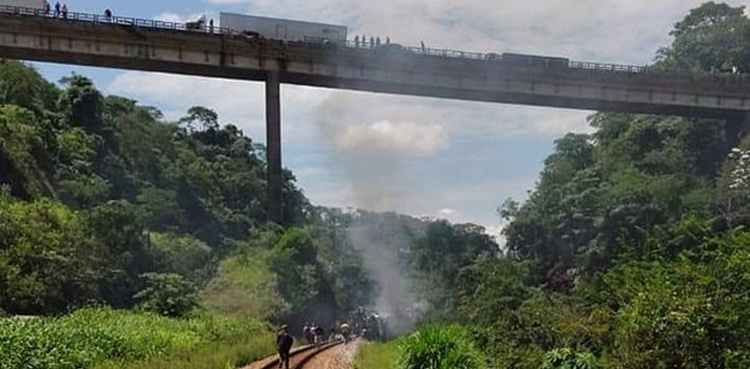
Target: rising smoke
x: 372, y: 149
x: 383, y: 239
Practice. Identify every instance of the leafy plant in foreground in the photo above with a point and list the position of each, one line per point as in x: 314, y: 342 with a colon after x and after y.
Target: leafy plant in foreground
x: 439, y: 347
x: 566, y: 358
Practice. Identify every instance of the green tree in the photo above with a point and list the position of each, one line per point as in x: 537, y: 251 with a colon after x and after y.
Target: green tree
x: 167, y: 294
x: 49, y: 262
x: 712, y: 38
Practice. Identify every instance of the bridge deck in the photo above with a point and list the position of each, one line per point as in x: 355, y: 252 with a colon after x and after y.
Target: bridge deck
x: 155, y: 46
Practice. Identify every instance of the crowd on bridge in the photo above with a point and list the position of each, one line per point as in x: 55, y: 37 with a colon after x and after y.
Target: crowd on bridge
x: 60, y: 10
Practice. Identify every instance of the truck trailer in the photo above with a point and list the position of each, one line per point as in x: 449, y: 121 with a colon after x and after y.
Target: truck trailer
x: 283, y: 29
x: 6, y: 5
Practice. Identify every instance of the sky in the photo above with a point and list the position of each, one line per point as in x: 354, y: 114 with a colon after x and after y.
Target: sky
x: 425, y: 157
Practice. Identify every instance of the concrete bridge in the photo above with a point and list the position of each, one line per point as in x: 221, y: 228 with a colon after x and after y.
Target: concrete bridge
x: 149, y: 45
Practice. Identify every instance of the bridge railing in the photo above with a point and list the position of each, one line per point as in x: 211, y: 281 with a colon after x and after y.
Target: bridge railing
x: 607, y: 67
x: 115, y: 19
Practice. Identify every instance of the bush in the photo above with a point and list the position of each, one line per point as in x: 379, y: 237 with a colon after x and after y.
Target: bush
x: 167, y: 294
x: 439, y: 347
x: 565, y: 358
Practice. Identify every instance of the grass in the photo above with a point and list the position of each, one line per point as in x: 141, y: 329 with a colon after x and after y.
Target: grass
x: 217, y: 355
x: 375, y: 355
x: 104, y: 338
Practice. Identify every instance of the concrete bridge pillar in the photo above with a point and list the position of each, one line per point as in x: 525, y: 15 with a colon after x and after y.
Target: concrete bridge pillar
x: 273, y: 147
x: 737, y: 127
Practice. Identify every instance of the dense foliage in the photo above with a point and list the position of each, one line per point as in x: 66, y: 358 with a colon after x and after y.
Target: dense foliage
x: 103, y: 201
x: 631, y: 253
x: 111, y: 338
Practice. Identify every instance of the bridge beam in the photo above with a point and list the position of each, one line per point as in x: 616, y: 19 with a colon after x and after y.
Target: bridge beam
x: 273, y: 147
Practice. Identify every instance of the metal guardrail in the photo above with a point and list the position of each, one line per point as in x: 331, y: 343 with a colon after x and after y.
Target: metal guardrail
x: 362, y: 44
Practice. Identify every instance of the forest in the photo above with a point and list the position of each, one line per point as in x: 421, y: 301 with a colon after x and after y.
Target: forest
x: 631, y: 252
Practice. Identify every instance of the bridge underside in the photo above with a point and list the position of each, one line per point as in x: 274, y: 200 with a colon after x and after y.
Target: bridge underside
x: 405, y: 88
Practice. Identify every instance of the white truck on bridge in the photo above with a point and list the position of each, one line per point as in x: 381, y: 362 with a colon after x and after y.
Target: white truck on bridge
x: 5, y: 5
x: 283, y: 29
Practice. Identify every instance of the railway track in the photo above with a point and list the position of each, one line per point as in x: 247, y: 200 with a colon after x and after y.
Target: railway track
x: 300, y: 356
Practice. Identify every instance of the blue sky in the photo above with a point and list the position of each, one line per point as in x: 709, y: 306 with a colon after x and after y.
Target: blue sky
x: 424, y: 157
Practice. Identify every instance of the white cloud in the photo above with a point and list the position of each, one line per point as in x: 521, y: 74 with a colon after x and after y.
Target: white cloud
x: 446, y: 211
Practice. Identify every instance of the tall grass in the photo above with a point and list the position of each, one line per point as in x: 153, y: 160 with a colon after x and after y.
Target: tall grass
x: 215, y: 355
x: 440, y: 347
x: 375, y: 355
x: 112, y: 339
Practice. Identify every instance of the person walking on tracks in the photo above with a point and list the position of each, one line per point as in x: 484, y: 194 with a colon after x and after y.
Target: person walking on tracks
x: 306, y: 334
x: 319, y: 334
x: 345, y: 332
x: 284, y: 342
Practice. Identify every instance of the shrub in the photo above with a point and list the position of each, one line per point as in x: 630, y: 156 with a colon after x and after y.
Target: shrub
x: 439, y: 347
x: 565, y: 358
x: 167, y: 294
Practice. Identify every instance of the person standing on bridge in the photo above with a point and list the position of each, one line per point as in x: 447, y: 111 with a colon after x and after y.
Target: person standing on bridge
x: 284, y: 342
x: 211, y: 26
x: 108, y: 15
x: 57, y: 9
x: 65, y: 11
x: 46, y: 8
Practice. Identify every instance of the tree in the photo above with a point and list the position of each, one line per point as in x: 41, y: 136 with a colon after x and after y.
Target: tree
x: 49, y: 262
x: 207, y: 118
x: 117, y: 227
x: 440, y: 255
x: 712, y: 38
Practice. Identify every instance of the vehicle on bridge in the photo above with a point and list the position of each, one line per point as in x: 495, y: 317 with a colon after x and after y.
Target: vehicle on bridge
x: 283, y: 29
x: 196, y: 25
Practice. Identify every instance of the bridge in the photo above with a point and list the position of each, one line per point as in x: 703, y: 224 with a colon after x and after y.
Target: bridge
x: 150, y: 45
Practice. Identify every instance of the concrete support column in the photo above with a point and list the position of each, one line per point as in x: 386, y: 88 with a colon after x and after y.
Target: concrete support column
x: 737, y: 126
x: 273, y: 147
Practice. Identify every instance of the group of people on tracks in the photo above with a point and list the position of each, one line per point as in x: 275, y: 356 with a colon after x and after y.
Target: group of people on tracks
x: 314, y: 335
